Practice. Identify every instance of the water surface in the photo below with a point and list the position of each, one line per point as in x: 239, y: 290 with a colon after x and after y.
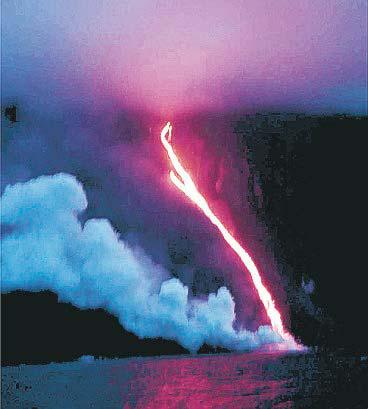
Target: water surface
x: 249, y: 380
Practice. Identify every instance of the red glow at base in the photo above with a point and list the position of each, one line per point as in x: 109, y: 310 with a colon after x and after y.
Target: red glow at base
x: 184, y: 182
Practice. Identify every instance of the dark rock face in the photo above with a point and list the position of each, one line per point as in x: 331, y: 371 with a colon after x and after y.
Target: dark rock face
x: 38, y: 329
x: 311, y: 171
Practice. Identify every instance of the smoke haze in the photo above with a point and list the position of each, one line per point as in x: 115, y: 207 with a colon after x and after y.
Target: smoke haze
x: 170, y: 57
x: 45, y: 247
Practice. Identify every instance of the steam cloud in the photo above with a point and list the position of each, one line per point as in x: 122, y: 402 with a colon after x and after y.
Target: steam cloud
x: 45, y: 247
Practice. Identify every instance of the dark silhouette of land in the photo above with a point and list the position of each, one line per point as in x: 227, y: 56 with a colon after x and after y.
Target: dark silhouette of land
x: 312, y: 173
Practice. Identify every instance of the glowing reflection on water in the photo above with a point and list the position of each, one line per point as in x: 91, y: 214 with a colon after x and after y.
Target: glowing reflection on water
x: 222, y: 381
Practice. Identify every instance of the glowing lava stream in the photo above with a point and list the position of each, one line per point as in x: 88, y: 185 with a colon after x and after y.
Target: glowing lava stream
x: 187, y: 186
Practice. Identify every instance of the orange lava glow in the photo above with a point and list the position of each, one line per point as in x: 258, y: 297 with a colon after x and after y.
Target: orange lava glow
x: 184, y: 182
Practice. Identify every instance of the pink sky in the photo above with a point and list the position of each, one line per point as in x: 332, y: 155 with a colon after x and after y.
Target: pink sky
x: 172, y: 56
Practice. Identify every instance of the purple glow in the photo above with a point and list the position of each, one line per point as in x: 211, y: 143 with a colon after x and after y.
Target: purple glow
x: 171, y: 57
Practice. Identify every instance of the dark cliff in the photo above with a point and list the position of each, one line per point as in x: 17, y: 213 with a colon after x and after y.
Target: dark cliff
x: 312, y: 175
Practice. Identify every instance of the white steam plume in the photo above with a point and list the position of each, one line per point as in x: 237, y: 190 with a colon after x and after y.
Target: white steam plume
x: 45, y: 247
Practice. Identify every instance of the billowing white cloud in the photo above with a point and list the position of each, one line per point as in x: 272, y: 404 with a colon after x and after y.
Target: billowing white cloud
x: 45, y: 247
